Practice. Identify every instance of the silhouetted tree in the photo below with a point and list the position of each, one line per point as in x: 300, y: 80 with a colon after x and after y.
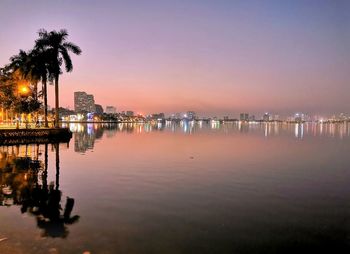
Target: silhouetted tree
x: 57, y: 46
x: 41, y: 68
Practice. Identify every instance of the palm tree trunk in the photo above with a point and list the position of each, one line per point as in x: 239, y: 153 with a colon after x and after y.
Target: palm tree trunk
x: 45, y: 167
x: 45, y: 103
x: 56, y: 101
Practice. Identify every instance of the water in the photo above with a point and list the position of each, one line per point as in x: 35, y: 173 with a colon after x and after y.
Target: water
x: 180, y: 188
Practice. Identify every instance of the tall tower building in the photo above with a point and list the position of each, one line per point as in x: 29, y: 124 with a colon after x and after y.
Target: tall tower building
x: 84, y: 102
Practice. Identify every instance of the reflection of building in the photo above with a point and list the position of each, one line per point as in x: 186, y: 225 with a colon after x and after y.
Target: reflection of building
x: 86, y: 134
x: 111, y: 110
x: 84, y: 102
x: 83, y: 141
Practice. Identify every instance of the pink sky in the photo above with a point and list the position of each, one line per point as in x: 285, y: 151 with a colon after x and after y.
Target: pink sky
x: 216, y: 58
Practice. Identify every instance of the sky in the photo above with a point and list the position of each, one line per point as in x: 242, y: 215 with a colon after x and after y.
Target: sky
x: 214, y: 57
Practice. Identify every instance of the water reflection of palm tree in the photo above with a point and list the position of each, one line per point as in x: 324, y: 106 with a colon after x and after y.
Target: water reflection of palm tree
x: 49, y: 216
x: 57, y: 148
x: 43, y: 201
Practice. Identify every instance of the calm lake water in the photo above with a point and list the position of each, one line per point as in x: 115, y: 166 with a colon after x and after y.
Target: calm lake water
x: 179, y: 188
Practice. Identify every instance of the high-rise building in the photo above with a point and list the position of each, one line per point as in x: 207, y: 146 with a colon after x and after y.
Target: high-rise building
x: 91, y: 103
x: 267, y: 117
x: 301, y: 117
x: 99, y: 109
x: 84, y: 102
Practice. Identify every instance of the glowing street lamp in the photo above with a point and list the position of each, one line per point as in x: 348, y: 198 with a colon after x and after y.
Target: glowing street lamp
x: 23, y: 90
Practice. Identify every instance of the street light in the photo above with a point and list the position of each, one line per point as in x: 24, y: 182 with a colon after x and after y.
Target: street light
x: 23, y: 89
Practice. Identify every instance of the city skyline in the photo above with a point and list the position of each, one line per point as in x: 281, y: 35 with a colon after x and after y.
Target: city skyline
x: 216, y: 58
x: 84, y: 102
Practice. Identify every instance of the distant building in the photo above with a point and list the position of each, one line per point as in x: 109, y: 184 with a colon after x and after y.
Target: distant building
x: 301, y: 117
x: 275, y: 117
x: 129, y: 113
x: 267, y: 117
x: 159, y: 116
x: 190, y: 115
x: 175, y: 116
x: 84, y: 102
x: 252, y: 118
x: 99, y: 109
x: 111, y: 110
x: 298, y: 117
x: 342, y: 117
x: 244, y: 117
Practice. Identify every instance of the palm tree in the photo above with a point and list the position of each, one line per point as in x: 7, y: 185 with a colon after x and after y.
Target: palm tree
x: 56, y: 44
x: 41, y: 69
x: 20, y: 63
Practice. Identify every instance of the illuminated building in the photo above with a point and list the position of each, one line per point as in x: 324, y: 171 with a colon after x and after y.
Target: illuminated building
x: 267, y: 117
x: 111, y: 110
x: 99, y: 109
x: 190, y: 115
x: 84, y: 102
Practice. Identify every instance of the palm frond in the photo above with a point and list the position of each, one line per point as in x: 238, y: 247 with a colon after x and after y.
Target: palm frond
x: 72, y: 47
x: 67, y: 60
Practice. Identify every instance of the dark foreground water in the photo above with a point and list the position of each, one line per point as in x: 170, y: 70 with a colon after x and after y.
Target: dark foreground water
x: 189, y: 188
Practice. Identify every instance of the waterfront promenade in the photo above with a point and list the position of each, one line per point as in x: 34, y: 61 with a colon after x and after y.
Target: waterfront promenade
x: 29, y: 133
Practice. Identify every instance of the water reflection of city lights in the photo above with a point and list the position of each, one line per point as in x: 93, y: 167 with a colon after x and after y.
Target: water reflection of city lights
x: 200, y: 124
x: 185, y: 126
x: 90, y: 132
x: 90, y: 129
x: 215, y: 124
x: 299, y: 130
